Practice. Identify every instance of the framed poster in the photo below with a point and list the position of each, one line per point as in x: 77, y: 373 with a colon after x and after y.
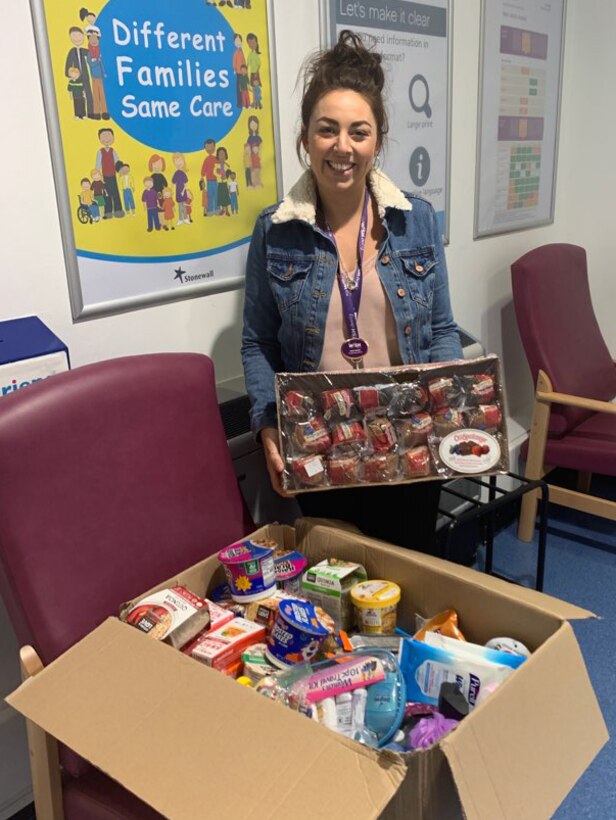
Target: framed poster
x: 414, y: 41
x: 163, y: 140
x: 519, y: 112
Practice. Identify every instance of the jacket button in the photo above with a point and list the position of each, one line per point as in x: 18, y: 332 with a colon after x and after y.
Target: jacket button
x: 407, y: 330
x: 385, y: 259
x: 401, y: 292
x: 419, y: 268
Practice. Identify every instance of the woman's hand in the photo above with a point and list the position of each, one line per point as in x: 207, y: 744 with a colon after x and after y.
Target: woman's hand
x: 273, y: 459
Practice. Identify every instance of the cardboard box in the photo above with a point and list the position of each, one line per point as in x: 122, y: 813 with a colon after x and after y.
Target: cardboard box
x: 392, y: 425
x: 516, y: 756
x: 29, y: 352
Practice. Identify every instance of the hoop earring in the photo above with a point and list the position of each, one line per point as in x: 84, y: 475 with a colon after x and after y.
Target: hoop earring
x: 376, y: 162
x: 307, y: 159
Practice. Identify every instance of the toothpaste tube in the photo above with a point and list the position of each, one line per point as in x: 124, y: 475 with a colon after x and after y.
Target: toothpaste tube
x: 342, y: 677
x: 472, y: 651
x: 426, y: 668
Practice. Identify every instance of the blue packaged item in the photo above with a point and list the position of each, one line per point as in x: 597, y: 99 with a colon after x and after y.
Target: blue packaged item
x: 426, y: 667
x: 385, y: 703
x: 297, y: 634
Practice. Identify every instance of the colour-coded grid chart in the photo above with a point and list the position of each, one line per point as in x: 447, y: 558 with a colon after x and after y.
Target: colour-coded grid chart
x: 522, y: 91
x: 520, y: 98
x: 519, y: 175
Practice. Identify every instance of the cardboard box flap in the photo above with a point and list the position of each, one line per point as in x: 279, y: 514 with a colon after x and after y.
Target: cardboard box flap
x: 527, y: 745
x: 320, y: 531
x: 192, y: 742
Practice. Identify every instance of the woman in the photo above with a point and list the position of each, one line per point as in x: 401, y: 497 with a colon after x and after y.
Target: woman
x: 224, y: 200
x: 156, y: 167
x: 306, y: 251
x: 180, y: 180
x: 253, y: 60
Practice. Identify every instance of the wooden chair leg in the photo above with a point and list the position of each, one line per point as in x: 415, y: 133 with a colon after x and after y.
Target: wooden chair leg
x: 44, y: 761
x: 534, y: 462
x: 583, y: 482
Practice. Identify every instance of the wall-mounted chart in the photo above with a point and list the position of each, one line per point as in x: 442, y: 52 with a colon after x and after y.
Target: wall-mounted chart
x: 519, y: 113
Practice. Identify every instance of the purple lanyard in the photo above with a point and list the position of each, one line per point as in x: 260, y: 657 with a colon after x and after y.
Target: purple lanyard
x: 351, y: 297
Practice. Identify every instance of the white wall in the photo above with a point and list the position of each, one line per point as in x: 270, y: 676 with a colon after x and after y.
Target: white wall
x: 34, y: 280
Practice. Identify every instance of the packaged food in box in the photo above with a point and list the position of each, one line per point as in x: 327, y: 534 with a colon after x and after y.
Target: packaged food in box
x: 173, y: 615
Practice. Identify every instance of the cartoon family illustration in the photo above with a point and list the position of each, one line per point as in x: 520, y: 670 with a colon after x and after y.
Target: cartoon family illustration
x: 108, y: 191
x: 218, y: 182
x: 246, y: 69
x: 85, y: 69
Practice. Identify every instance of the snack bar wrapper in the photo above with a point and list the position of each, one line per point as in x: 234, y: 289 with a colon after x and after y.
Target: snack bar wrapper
x: 392, y: 426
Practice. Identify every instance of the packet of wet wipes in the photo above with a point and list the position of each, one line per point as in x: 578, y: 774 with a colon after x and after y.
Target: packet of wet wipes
x: 472, y: 651
x: 426, y: 667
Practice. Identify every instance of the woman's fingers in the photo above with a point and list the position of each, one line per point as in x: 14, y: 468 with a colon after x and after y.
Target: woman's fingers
x: 273, y: 459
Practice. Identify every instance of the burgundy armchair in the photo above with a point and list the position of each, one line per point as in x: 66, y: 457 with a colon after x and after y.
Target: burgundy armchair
x: 574, y: 419
x: 114, y: 477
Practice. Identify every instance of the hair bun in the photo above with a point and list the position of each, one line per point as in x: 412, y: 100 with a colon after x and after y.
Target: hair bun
x: 351, y: 52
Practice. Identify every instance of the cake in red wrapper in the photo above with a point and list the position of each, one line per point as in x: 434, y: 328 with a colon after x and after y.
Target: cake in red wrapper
x: 343, y: 469
x: 446, y: 420
x: 309, y: 470
x: 416, y: 462
x: 298, y: 405
x: 381, y: 434
x: 381, y: 467
x: 485, y: 417
x: 480, y: 388
x: 337, y: 404
x: 373, y: 399
x: 415, y: 430
x: 348, y: 432
x: 312, y: 436
x: 410, y: 398
x: 444, y: 391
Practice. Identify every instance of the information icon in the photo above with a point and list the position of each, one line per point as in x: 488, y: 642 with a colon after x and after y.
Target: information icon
x: 419, y: 166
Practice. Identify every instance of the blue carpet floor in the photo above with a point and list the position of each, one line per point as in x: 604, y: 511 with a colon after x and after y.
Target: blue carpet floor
x: 580, y: 568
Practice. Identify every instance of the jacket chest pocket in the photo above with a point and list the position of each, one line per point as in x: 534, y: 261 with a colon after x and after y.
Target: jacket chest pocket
x: 287, y: 277
x: 419, y: 268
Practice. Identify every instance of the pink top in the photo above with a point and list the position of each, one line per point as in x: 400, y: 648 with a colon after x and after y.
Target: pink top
x: 376, y: 325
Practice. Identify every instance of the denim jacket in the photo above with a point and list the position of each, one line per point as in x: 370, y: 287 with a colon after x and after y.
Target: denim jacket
x: 291, y: 271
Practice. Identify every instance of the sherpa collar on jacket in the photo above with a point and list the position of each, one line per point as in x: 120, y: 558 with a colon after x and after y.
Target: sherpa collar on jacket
x: 301, y: 201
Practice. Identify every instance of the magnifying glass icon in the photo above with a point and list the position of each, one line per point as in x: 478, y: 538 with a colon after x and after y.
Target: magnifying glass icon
x: 421, y: 107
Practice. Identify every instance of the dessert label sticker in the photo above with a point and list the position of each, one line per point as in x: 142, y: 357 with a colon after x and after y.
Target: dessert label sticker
x: 470, y: 451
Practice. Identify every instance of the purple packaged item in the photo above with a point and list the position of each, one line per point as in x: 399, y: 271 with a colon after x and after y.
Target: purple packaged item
x: 289, y: 567
x: 249, y: 568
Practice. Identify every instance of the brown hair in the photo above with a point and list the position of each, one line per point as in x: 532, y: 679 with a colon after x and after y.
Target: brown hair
x: 348, y: 65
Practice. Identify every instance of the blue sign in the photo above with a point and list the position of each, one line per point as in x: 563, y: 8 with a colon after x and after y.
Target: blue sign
x: 168, y: 70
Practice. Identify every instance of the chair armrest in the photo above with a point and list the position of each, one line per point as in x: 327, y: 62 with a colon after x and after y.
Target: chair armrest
x: 575, y: 401
x: 30, y: 662
x: 44, y: 761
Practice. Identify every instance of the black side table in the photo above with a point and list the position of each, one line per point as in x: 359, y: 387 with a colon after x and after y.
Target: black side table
x: 497, y: 499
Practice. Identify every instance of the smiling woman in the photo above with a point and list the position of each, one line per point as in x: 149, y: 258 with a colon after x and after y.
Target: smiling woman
x: 333, y: 282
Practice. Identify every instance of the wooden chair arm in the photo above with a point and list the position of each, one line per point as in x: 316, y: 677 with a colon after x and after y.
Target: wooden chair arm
x: 29, y: 662
x: 546, y: 395
x: 576, y: 401
x: 44, y: 761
